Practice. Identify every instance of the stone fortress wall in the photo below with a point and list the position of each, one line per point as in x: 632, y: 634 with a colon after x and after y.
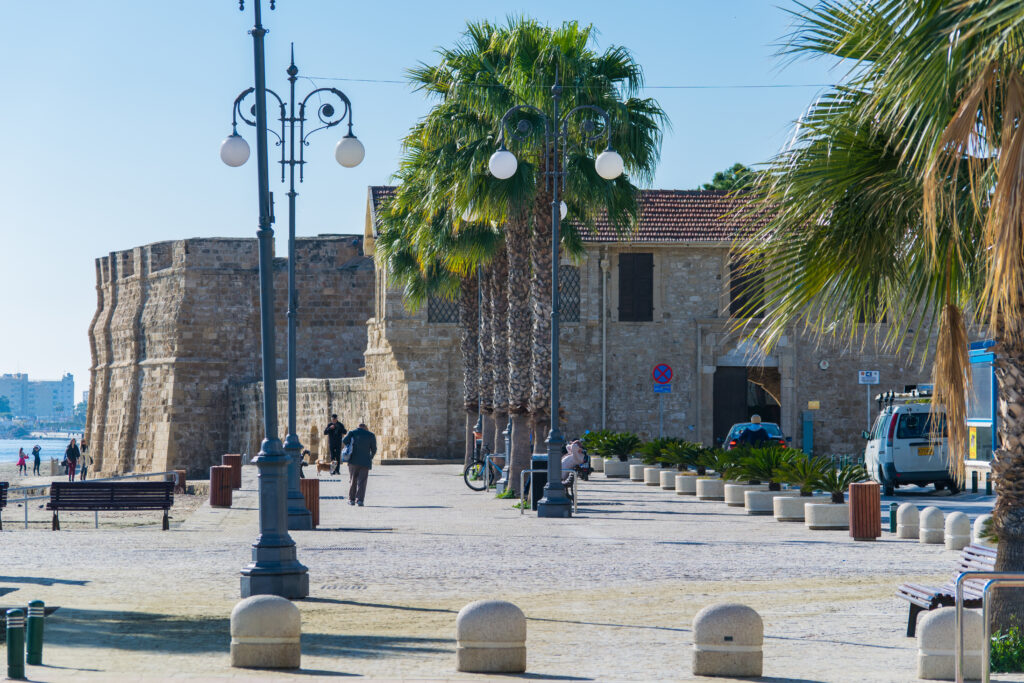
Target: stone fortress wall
x: 177, y: 324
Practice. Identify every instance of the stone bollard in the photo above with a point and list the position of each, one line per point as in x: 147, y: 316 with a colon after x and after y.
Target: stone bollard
x: 932, y: 525
x: 636, y: 472
x: 908, y: 521
x: 958, y: 531
x: 979, y: 531
x: 936, y: 645
x: 265, y: 632
x: 727, y: 641
x: 490, y: 638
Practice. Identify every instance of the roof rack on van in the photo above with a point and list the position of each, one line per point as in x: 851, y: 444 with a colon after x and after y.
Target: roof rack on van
x: 919, y: 395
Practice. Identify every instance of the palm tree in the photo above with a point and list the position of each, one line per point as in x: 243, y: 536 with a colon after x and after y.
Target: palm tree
x: 900, y: 199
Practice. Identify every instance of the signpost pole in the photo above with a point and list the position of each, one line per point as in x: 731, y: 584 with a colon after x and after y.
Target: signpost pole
x: 868, y: 387
x: 661, y: 416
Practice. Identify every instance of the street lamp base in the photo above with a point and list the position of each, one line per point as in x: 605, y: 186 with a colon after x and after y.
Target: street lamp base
x: 286, y: 584
x: 299, y: 518
x: 554, y: 504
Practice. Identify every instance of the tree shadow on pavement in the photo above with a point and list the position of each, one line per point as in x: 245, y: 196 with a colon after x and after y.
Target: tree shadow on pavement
x: 371, y: 647
x: 41, y: 580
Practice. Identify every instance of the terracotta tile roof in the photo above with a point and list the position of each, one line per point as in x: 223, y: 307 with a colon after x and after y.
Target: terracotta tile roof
x: 665, y: 216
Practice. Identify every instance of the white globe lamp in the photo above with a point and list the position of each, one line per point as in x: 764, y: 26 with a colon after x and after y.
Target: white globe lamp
x: 609, y: 164
x: 234, y: 151
x: 563, y: 209
x: 503, y: 164
x: 349, y: 151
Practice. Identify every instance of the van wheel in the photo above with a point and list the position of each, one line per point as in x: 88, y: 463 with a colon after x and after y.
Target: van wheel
x: 954, y: 488
x: 940, y: 485
x: 888, y: 489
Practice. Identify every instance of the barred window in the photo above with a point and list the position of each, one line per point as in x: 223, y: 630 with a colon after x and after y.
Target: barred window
x: 569, y: 293
x: 441, y: 310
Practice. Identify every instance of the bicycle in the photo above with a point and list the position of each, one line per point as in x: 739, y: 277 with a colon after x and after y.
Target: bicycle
x: 481, y: 471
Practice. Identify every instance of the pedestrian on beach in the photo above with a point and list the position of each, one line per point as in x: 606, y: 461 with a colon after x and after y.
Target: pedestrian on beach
x: 22, y: 462
x: 85, y: 461
x: 364, y: 446
x: 72, y: 454
x: 35, y: 459
x: 335, y: 431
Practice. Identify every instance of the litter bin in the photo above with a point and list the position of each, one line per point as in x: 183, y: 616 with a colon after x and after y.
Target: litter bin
x: 865, y: 511
x: 538, y: 480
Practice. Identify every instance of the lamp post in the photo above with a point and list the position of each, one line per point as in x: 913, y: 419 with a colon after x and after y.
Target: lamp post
x: 349, y: 153
x: 503, y: 165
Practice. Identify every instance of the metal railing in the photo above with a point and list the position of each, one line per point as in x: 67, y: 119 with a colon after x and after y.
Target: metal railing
x: 96, y: 515
x: 522, y: 488
x: 1007, y: 579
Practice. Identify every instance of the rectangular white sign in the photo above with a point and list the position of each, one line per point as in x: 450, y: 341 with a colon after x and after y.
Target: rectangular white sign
x: 867, y: 376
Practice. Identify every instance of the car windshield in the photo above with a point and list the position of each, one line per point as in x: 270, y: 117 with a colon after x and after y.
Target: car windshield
x: 918, y: 425
x: 770, y: 427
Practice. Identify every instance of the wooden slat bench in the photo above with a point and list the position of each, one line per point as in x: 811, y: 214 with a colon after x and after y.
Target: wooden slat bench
x: 111, y: 495
x: 3, y: 501
x: 974, y: 558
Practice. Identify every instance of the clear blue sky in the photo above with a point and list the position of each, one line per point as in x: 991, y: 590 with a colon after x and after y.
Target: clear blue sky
x: 113, y: 113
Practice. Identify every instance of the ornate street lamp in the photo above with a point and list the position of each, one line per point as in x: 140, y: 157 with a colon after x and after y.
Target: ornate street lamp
x: 349, y: 152
x: 503, y: 165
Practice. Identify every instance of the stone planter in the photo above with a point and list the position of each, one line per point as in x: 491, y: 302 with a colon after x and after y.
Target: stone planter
x: 827, y: 516
x: 686, y: 484
x: 667, y: 479
x: 791, y: 509
x: 597, y: 463
x: 633, y: 460
x: 652, y: 476
x: 710, y: 489
x: 734, y: 493
x: 636, y: 472
x: 760, y: 502
x: 615, y: 468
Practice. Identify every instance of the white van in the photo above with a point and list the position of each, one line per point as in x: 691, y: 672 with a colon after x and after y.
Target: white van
x: 902, y: 450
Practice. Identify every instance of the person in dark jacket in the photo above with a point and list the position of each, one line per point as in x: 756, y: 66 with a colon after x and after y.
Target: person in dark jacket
x: 364, y: 447
x: 35, y: 459
x: 72, y: 454
x: 753, y: 435
x: 335, y: 431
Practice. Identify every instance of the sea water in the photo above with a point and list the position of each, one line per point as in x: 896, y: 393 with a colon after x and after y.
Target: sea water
x: 51, y: 448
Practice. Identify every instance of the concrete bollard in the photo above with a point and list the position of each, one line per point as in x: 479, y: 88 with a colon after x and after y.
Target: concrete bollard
x: 979, y: 531
x: 933, y: 525
x: 265, y: 631
x: 636, y: 472
x: 908, y: 521
x: 34, y: 632
x: 16, y: 644
x: 727, y: 641
x: 958, y: 531
x: 667, y: 479
x: 936, y: 645
x: 490, y: 638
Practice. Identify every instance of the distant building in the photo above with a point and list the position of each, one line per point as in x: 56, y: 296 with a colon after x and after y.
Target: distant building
x: 46, y: 399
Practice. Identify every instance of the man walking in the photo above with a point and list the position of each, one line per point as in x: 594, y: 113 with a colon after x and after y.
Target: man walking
x: 364, y: 447
x: 335, y: 430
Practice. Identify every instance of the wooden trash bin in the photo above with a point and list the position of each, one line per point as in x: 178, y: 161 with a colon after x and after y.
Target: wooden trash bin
x: 220, y: 486
x: 865, y: 511
x: 311, y: 494
x: 234, y: 460
x: 179, y: 480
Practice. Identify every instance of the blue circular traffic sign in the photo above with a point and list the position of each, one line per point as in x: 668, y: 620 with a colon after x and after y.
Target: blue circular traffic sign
x: 662, y: 373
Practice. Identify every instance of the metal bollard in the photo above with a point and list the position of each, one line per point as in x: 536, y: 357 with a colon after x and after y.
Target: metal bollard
x: 974, y: 482
x: 34, y: 632
x: 892, y: 517
x: 988, y: 485
x: 16, y: 644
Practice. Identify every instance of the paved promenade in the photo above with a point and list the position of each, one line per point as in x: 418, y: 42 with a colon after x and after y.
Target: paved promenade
x: 609, y: 595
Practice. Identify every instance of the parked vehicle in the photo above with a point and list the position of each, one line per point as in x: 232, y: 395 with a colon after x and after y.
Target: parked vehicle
x: 902, y: 448
x: 774, y: 434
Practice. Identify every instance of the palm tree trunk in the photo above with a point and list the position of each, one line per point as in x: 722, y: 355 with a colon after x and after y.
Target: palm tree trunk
x: 520, y: 339
x: 499, y: 344
x: 486, y: 361
x: 1008, y: 478
x: 540, y: 300
x: 469, y: 341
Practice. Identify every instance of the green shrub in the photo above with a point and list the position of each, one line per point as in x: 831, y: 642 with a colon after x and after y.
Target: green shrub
x: 806, y: 472
x: 619, y: 445
x: 681, y: 454
x: 766, y: 463
x: 837, y: 480
x: 592, y: 440
x: 1007, y: 651
x: 724, y: 462
x: 653, y: 451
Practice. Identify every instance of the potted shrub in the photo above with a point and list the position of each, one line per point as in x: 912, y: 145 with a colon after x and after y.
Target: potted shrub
x: 834, y: 515
x: 803, y: 472
x: 591, y: 442
x: 766, y: 463
x: 720, y: 461
x: 617, y: 448
x: 680, y: 455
